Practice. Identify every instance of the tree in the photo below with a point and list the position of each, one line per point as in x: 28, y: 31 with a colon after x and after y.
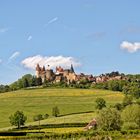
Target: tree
x: 4, y: 88
x: 14, y: 86
x: 122, y: 83
x: 132, y: 88
x: 113, y: 85
x: 20, y: 83
x: 28, y: 77
x: 118, y: 106
x: 55, y: 111
x: 38, y: 118
x: 109, y: 119
x: 128, y: 100
x: 33, y: 81
x: 100, y: 103
x: 18, y: 119
x: 138, y: 101
x: 38, y: 81
x: 46, y: 116
x: 25, y: 83
x: 131, y: 114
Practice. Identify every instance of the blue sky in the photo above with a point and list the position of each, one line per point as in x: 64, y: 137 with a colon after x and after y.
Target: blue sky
x: 97, y: 36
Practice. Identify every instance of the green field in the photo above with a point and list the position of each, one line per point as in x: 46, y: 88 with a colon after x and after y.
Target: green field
x: 41, y: 101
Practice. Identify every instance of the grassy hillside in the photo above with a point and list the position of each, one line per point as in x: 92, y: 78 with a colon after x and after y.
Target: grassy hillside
x: 74, y: 118
x: 41, y: 101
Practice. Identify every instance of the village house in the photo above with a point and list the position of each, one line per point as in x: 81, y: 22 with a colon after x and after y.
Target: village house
x: 69, y: 75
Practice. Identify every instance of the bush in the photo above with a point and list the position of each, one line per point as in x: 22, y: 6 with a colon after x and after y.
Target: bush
x: 128, y: 100
x: 113, y: 85
x: 46, y: 116
x: 130, y: 126
x: 131, y: 114
x: 132, y: 88
x: 38, y: 117
x: 118, y: 106
x: 109, y: 119
x: 100, y: 103
x: 138, y: 101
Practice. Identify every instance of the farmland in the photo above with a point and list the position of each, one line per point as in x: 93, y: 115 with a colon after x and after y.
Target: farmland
x: 41, y: 101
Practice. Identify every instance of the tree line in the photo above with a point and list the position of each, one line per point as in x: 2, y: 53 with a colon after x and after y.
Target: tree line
x: 129, y: 86
x: 18, y: 118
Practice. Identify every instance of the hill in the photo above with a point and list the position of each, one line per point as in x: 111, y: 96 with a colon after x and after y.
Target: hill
x: 41, y: 101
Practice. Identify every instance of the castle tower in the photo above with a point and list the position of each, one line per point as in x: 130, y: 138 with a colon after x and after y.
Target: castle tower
x: 43, y: 69
x: 72, y: 69
x: 38, y: 70
x: 49, y: 74
x: 59, y: 70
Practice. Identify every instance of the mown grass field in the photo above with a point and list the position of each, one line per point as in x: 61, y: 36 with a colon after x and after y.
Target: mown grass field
x: 75, y: 118
x: 41, y: 101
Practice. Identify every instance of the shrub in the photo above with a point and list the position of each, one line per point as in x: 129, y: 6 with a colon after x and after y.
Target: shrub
x: 130, y: 126
x: 46, y: 116
x: 109, y: 119
x: 38, y: 117
x: 118, y: 106
x: 131, y: 114
x: 113, y: 85
x: 128, y: 100
x: 138, y: 101
x: 100, y: 103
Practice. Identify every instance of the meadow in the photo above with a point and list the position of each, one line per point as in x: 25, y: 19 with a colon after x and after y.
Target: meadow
x: 41, y: 101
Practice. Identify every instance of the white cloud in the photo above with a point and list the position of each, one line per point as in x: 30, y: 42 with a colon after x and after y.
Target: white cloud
x: 29, y: 38
x: 53, y: 61
x: 14, y: 56
x: 52, y: 21
x: 130, y: 47
x: 3, y: 30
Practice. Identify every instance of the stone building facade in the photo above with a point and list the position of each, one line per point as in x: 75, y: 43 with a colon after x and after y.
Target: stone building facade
x: 67, y: 75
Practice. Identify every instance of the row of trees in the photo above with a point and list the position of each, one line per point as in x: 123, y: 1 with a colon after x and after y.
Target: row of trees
x: 114, y: 85
x: 26, y: 81
x: 130, y: 86
x: 18, y: 118
x: 125, y: 86
x: 4, y: 88
x: 128, y: 100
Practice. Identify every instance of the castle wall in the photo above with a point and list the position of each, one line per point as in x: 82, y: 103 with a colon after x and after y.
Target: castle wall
x: 37, y: 74
x: 49, y: 75
x: 65, y: 75
x: 71, y: 77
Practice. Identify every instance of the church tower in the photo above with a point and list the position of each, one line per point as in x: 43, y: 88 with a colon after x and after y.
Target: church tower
x: 72, y: 69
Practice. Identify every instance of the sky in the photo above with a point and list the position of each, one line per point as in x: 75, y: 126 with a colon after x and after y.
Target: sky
x: 96, y: 36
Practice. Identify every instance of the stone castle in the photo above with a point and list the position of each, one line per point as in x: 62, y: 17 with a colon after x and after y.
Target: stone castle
x: 66, y: 75
x: 69, y: 75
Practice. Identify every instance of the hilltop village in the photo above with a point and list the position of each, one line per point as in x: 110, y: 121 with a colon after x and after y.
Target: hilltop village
x: 69, y: 76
